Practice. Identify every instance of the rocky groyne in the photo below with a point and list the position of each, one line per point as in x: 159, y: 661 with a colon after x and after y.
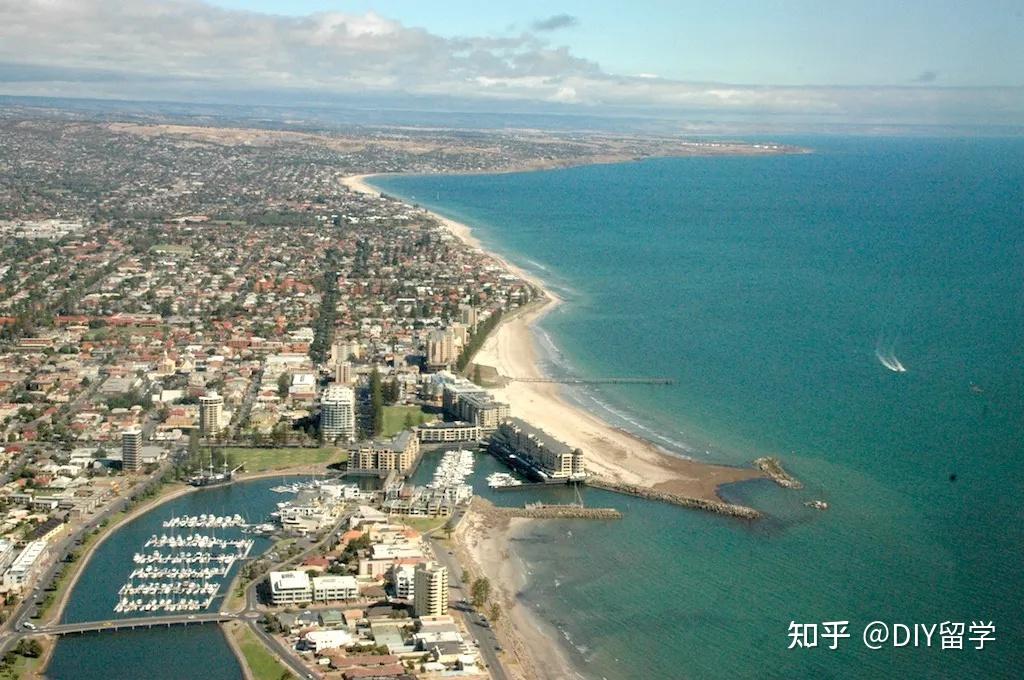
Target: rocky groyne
x: 717, y: 507
x: 772, y: 467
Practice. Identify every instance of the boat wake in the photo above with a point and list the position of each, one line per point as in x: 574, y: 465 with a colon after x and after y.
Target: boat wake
x: 885, y: 352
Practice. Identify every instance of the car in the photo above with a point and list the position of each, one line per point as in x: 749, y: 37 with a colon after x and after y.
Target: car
x: 191, y: 617
x: 28, y: 626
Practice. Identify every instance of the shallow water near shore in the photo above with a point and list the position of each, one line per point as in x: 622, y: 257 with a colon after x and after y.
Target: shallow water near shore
x: 779, y: 293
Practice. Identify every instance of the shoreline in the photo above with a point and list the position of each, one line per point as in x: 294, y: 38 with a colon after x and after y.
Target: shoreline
x: 532, y: 645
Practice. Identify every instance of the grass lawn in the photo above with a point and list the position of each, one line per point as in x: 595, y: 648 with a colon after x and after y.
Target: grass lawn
x: 260, y: 460
x: 22, y: 668
x: 171, y: 248
x: 261, y: 662
x: 395, y: 416
x: 424, y: 524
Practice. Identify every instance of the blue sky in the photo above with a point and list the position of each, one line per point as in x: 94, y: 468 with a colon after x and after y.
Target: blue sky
x: 867, y: 62
x: 827, y: 42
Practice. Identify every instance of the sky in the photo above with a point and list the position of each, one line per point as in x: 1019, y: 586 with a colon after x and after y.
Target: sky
x: 908, y: 61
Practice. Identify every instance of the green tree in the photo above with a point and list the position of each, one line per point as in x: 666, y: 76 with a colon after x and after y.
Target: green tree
x: 284, y: 381
x: 376, y: 403
x: 480, y: 591
x: 494, y: 612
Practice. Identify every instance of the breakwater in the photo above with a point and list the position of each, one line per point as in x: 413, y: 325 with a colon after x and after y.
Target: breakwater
x: 772, y: 466
x: 717, y: 507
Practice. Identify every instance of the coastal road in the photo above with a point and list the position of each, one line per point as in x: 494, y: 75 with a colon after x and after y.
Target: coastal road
x: 33, y: 599
x: 286, y: 655
x: 484, y: 636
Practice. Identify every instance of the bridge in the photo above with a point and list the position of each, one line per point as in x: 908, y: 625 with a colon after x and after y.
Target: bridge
x: 113, y: 625
x: 597, y: 381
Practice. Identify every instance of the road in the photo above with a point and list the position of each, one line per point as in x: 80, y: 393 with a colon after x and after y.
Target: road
x: 486, y: 640
x: 128, y: 623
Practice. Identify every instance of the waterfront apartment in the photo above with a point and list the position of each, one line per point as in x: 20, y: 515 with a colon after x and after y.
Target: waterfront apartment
x: 211, y: 413
x: 398, y: 453
x: 442, y: 432
x: 131, y: 449
x: 296, y: 587
x: 466, y: 401
x: 431, y: 590
x: 543, y: 453
x: 338, y: 414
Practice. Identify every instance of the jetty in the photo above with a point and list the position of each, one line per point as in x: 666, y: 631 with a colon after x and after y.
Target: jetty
x: 717, y: 507
x: 772, y: 466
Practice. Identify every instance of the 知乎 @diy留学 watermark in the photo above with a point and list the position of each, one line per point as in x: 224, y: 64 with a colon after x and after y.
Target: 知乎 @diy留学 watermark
x: 882, y: 634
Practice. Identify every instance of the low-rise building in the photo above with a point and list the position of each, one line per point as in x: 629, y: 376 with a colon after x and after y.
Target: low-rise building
x: 334, y: 588
x: 290, y: 587
x: 26, y: 565
x: 320, y: 640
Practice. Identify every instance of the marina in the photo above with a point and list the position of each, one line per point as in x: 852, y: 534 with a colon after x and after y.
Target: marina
x: 183, y: 573
x: 500, y: 480
x: 206, y: 522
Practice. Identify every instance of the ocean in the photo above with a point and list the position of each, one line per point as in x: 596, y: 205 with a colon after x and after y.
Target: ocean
x: 857, y: 311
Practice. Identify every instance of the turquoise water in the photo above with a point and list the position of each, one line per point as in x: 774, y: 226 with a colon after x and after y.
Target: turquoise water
x: 769, y: 288
x: 168, y: 654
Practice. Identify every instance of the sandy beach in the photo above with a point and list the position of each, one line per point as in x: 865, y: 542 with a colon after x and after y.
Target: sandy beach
x: 532, y: 650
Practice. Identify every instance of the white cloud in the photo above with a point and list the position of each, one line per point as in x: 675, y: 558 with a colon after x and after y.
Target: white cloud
x: 125, y: 47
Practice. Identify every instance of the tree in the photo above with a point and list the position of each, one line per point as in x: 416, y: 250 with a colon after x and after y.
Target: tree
x: 494, y: 612
x: 284, y: 381
x: 409, y: 424
x: 480, y: 591
x: 376, y: 403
